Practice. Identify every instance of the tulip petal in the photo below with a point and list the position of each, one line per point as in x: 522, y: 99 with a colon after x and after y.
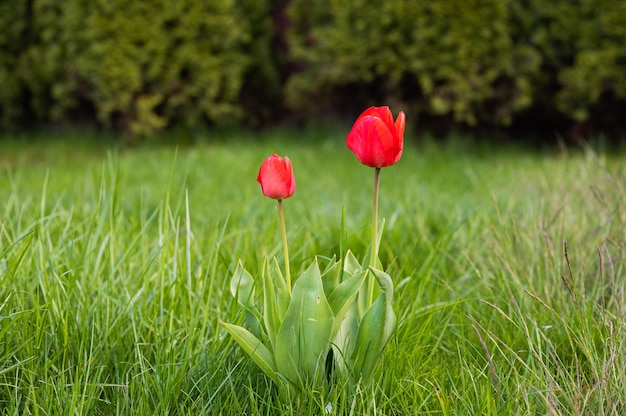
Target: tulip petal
x: 400, y: 125
x: 276, y: 177
x: 399, y: 128
x: 288, y: 176
x: 373, y: 143
x: 383, y: 113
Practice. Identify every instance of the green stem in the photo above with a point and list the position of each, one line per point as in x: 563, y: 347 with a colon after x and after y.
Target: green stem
x: 370, y: 287
x: 281, y: 213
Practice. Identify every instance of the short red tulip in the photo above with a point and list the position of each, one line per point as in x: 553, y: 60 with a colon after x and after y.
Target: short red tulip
x: 376, y: 139
x: 276, y: 177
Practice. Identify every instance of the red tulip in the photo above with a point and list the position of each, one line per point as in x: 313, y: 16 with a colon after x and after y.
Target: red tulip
x: 375, y: 139
x: 276, y: 177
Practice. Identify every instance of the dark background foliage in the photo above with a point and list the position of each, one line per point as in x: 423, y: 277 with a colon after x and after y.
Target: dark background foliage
x: 525, y: 66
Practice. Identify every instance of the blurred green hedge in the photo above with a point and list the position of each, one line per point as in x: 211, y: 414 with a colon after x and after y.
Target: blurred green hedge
x: 146, y: 65
x: 137, y: 66
x: 475, y: 61
x: 443, y: 57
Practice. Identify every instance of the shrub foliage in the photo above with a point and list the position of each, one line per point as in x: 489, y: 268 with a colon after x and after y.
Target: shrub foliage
x: 142, y: 66
x: 138, y: 66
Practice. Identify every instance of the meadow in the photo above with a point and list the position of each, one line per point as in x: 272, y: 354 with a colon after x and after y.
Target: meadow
x: 115, y: 266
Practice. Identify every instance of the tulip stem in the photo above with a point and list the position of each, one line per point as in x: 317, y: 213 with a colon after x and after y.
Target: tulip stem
x: 281, y: 213
x: 370, y: 287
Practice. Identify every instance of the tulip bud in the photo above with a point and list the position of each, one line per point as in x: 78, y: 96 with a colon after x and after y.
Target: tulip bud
x: 276, y: 177
x: 376, y: 139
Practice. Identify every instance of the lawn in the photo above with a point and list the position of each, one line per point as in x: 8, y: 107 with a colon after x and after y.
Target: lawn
x: 115, y: 266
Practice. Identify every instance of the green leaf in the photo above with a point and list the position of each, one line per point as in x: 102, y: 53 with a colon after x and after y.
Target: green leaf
x: 283, y: 293
x: 342, y: 298
x: 303, y: 340
x: 272, y: 313
x: 259, y: 353
x: 379, y: 235
x: 375, y: 329
x: 242, y: 287
x: 345, y: 340
x: 332, y: 262
x: 351, y: 265
x: 253, y: 320
x: 27, y: 237
x: 331, y: 276
x: 365, y: 299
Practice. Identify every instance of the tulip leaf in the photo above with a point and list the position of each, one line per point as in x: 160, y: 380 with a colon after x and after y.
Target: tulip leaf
x: 331, y: 264
x: 375, y: 329
x: 379, y: 235
x: 345, y: 338
x: 342, y: 298
x: 242, y: 286
x: 275, y: 300
x: 282, y: 291
x: 351, y: 265
x: 331, y: 276
x: 365, y: 299
x: 259, y: 353
x: 303, y: 340
x: 253, y: 320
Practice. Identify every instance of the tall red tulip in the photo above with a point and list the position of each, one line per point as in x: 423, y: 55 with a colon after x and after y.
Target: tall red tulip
x: 276, y: 177
x: 278, y: 182
x: 376, y: 139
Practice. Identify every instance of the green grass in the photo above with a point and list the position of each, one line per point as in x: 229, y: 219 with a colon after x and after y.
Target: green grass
x: 115, y: 265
